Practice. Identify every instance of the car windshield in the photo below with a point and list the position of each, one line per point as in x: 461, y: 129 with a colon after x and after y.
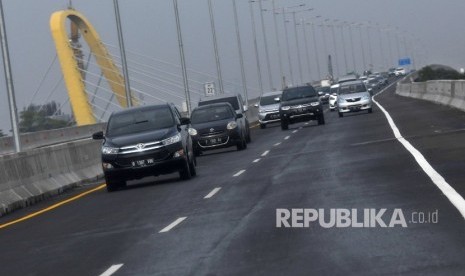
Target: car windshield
x: 214, y: 113
x: 298, y: 93
x: 140, y: 121
x: 352, y: 88
x: 268, y: 100
x: 324, y: 89
x: 231, y: 100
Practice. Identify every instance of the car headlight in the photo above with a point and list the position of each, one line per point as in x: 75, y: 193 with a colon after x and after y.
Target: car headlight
x: 192, y: 131
x: 174, y: 139
x: 285, y: 108
x: 314, y: 103
x: 110, y: 150
x: 231, y: 125
x: 365, y: 98
x: 261, y: 111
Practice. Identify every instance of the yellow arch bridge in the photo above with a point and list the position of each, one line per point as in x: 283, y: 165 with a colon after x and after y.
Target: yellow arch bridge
x: 81, y: 108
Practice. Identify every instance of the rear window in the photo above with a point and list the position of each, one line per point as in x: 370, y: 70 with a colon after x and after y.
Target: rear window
x: 268, y: 100
x: 231, y: 100
x: 298, y: 93
x: 214, y: 113
x: 140, y: 121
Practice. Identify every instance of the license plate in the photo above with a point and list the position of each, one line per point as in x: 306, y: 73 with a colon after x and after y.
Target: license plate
x: 143, y: 163
x: 214, y: 141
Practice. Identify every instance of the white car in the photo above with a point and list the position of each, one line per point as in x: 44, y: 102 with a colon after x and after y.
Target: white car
x: 353, y: 97
x: 400, y: 72
x: 333, y: 97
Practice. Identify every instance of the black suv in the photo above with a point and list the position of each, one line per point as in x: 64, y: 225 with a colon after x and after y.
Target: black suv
x: 239, y: 106
x: 215, y: 126
x: 299, y: 104
x: 146, y: 141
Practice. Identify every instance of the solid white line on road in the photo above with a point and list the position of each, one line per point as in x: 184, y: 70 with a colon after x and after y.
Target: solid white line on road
x: 277, y: 144
x: 111, y: 270
x: 295, y: 131
x: 454, y: 197
x: 256, y: 160
x: 172, y: 225
x: 212, y: 193
x: 265, y: 153
x: 287, y: 137
x: 239, y: 173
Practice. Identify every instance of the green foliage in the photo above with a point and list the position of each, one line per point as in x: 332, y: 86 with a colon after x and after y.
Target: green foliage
x: 428, y: 73
x: 41, y: 117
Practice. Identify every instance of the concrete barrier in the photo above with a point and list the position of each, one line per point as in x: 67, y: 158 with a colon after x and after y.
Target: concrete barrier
x: 49, y: 137
x: 31, y: 176
x: 445, y: 92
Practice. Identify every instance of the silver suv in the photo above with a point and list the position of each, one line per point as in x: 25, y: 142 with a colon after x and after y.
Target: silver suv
x: 353, y: 96
x: 268, y: 108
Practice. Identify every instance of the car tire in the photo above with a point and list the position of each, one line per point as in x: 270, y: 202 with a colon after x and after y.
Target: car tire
x: 262, y: 126
x: 242, y: 145
x: 115, y: 185
x: 185, y: 173
x: 284, y: 125
x: 370, y: 110
x: 341, y: 114
x: 248, y: 138
x: 321, y: 120
x: 192, y: 167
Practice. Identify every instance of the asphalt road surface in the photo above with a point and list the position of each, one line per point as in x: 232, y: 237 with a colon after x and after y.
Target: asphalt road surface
x: 165, y: 226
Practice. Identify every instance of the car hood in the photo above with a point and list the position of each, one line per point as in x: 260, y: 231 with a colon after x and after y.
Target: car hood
x: 353, y: 95
x: 220, y: 125
x: 301, y: 101
x: 142, y: 137
x: 269, y: 107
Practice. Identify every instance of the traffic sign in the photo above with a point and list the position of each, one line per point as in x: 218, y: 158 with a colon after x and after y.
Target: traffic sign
x: 209, y: 89
x: 404, y: 61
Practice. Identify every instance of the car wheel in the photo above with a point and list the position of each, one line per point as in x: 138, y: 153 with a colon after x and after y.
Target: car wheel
x: 370, y: 110
x: 185, y: 173
x: 262, y: 126
x: 341, y: 114
x: 321, y: 120
x: 284, y: 125
x: 242, y: 145
x: 115, y: 185
x: 248, y: 138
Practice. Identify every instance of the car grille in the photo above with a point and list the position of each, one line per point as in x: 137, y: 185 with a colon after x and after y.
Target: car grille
x: 212, y: 133
x: 272, y: 116
x: 353, y: 100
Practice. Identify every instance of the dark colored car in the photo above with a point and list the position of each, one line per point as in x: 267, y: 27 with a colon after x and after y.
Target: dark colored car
x: 216, y: 126
x: 300, y: 104
x: 239, y: 106
x: 146, y: 141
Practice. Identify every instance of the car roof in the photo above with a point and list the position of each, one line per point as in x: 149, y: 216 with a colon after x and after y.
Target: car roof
x: 272, y: 93
x: 352, y: 82
x: 214, y: 105
x: 141, y: 108
x: 232, y: 95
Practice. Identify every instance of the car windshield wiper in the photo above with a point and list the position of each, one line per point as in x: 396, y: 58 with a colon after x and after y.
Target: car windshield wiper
x: 141, y: 122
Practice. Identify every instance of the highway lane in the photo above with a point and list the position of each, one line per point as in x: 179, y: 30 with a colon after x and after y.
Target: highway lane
x: 351, y: 162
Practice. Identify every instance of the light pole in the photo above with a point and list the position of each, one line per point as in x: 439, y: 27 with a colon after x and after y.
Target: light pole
x: 183, y: 60
x: 307, y: 54
x: 335, y: 47
x: 363, y: 48
x: 381, y: 48
x: 287, y: 46
x: 324, y: 40
x: 317, y: 56
x: 241, y: 57
x: 257, y: 58
x: 352, y: 46
x: 266, y: 45
x: 9, y: 81
x: 215, y: 46
x: 124, y: 64
x: 279, y: 46
x: 344, y: 46
x: 369, y: 46
x: 297, y: 45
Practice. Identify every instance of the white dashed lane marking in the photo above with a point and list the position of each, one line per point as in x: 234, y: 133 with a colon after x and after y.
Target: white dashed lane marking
x: 277, y: 144
x: 295, y: 131
x: 111, y: 270
x: 212, y: 193
x: 239, y: 173
x: 287, y: 137
x: 256, y: 160
x: 172, y: 225
x: 265, y: 153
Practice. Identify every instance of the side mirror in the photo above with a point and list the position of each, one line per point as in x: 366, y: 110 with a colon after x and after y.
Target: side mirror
x: 320, y: 93
x: 185, y: 121
x: 98, y: 135
x: 238, y: 116
x: 277, y: 99
x: 256, y: 105
x: 246, y: 108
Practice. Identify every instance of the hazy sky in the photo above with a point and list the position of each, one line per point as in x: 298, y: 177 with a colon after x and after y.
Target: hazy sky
x: 428, y: 31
